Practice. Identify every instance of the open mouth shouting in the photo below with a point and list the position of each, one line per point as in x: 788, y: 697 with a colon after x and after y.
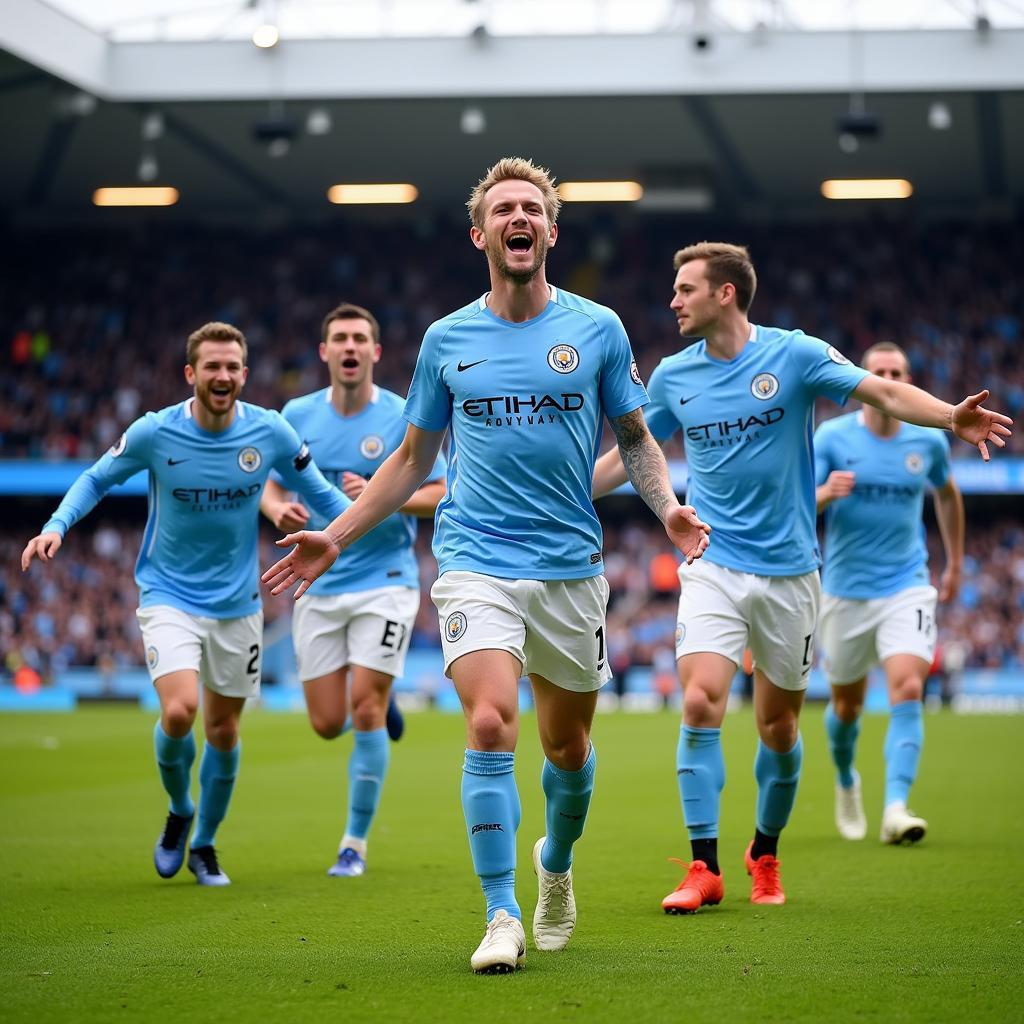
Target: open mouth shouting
x: 519, y: 242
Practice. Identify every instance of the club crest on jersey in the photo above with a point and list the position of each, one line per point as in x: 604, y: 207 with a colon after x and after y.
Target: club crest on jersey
x: 371, y: 447
x: 764, y: 386
x: 563, y: 358
x: 914, y: 463
x: 836, y: 356
x: 455, y: 626
x: 119, y: 445
x: 152, y: 656
x: 634, y: 372
x: 680, y: 633
x: 250, y: 459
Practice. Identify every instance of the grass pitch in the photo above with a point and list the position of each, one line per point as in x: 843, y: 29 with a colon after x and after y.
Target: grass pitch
x: 90, y: 933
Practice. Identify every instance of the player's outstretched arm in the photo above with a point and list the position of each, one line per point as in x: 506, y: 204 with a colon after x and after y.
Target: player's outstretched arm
x: 949, y: 512
x: 644, y: 462
x: 391, y: 487
x: 277, y: 506
x: 44, y: 547
x: 968, y: 420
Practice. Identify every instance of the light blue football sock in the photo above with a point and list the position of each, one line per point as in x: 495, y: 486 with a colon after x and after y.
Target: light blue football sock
x: 367, y: 767
x: 700, y: 771
x: 842, y: 741
x: 568, y: 798
x: 903, y: 743
x: 217, y: 772
x: 490, y: 802
x: 778, y: 776
x: 174, y: 758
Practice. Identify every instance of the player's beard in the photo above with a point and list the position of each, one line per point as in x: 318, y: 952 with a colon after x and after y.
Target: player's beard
x: 204, y: 395
x: 497, y: 256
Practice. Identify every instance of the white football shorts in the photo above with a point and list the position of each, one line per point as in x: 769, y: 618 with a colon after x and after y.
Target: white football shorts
x: 226, y: 653
x: 556, y: 628
x: 370, y: 628
x: 724, y: 611
x: 856, y: 635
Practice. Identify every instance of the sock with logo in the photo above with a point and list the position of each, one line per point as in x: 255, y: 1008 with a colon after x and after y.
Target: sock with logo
x: 174, y: 758
x: 700, y: 771
x: 903, y: 742
x: 366, y: 770
x: 490, y: 802
x: 777, y: 778
x: 217, y: 772
x: 842, y: 741
x: 568, y: 798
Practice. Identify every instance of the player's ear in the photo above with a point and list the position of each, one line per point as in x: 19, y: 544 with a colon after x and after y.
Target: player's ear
x: 476, y: 236
x: 552, y: 236
x: 190, y: 375
x: 245, y: 375
x: 728, y: 293
x: 376, y: 351
x: 323, y: 351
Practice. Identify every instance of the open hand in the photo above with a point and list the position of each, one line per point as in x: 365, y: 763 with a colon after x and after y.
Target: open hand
x: 314, y: 553
x: 978, y: 426
x: 687, y: 531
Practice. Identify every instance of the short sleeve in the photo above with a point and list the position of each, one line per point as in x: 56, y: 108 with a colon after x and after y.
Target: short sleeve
x: 661, y: 420
x: 940, y: 469
x: 429, y: 405
x: 824, y: 369
x: 622, y: 390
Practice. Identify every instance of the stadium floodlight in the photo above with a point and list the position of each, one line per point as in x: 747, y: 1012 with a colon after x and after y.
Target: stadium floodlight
x: 940, y: 118
x: 137, y: 195
x: 473, y: 121
x: 600, y: 191
x: 867, y: 188
x: 368, y: 195
x: 266, y: 36
x: 148, y: 167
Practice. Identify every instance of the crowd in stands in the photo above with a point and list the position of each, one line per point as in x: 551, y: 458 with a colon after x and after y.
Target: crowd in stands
x: 80, y: 609
x: 95, y: 323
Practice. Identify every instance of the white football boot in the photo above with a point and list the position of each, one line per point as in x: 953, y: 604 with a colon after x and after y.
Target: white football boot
x: 503, y: 947
x: 902, y: 826
x: 555, y: 916
x: 850, y: 819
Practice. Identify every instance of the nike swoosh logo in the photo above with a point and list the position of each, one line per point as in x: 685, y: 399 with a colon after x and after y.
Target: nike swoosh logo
x: 175, y: 462
x: 683, y: 401
x: 469, y: 366
x: 600, y: 666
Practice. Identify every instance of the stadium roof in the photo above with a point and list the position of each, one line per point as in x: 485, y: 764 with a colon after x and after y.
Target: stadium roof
x: 749, y: 114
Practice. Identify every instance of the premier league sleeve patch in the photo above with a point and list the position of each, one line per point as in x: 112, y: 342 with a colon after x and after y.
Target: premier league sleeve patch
x: 118, y: 447
x: 634, y: 373
x: 836, y: 356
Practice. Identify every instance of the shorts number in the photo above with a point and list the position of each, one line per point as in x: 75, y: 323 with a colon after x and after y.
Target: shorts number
x: 253, y: 666
x: 925, y: 622
x: 599, y: 634
x: 807, y: 650
x: 394, y: 635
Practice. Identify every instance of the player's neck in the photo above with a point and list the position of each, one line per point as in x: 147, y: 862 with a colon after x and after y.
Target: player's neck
x: 349, y: 401
x: 727, y: 339
x: 878, y: 423
x: 211, y: 421
x: 518, y: 303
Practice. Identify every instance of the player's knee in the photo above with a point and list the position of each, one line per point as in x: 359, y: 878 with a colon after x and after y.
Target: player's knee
x: 369, y: 712
x: 571, y: 754
x: 699, y: 709
x: 178, y: 717
x: 222, y: 734
x: 326, y: 726
x: 780, y: 732
x: 847, y: 706
x: 489, y: 729
x: 909, y: 687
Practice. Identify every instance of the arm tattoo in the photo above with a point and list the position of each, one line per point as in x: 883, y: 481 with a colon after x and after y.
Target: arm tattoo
x: 644, y: 461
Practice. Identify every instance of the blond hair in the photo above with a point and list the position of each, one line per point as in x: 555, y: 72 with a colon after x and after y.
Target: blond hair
x: 514, y: 168
x: 214, y: 331
x: 885, y: 346
x: 724, y: 263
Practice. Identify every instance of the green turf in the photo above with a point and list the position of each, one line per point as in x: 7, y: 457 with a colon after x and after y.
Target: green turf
x: 931, y: 933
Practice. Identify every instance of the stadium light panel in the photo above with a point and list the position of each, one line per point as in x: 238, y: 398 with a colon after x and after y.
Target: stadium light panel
x: 600, y: 191
x: 372, y: 194
x: 266, y: 36
x: 148, y: 195
x: 867, y: 188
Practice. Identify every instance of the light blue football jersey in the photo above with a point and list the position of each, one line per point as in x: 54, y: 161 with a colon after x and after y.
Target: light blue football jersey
x: 874, y: 537
x: 360, y: 444
x: 747, y: 430
x: 524, y: 404
x: 199, y: 548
